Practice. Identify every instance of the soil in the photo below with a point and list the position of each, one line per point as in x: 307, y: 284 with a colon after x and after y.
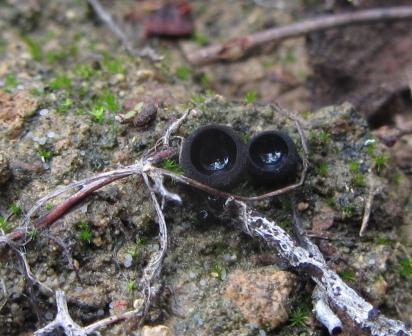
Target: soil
x: 73, y: 103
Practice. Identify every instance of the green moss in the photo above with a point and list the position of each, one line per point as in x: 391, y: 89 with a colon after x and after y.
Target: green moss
x: 200, y: 39
x: 61, y: 81
x: 405, y: 267
x: 319, y: 137
x: 358, y: 179
x: 172, y: 166
x: 330, y: 201
x: 131, y: 285
x: 4, y: 225
x: 219, y: 271
x: 245, y: 137
x: 299, y: 317
x: 65, y: 105
x: 183, y: 73
x: 198, y: 99
x: 348, y: 275
x: 108, y: 100
x: 15, y: 209
x: 45, y: 155
x: 323, y: 169
x: 33, y: 234
x: 85, y: 234
x: 97, y: 114
x: 61, y: 55
x: 84, y: 71
x: 113, y: 65
x: 380, y: 161
x: 36, y: 92
x: 34, y: 48
x: 250, y: 97
x: 10, y: 83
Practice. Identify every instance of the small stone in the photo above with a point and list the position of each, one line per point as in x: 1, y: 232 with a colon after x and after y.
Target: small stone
x: 146, y: 116
x: 128, y: 260
x: 302, y: 206
x: 261, y: 295
x: 324, y: 218
x: 159, y: 330
x: 43, y: 112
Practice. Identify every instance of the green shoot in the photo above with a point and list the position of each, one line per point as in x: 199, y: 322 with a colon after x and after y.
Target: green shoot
x: 84, y: 71
x: 405, y: 269
x: 250, y: 97
x: 219, y: 272
x: 172, y: 166
x: 299, y: 317
x: 34, y: 48
x: 97, y: 114
x: 10, y: 83
x: 33, y: 234
x: 45, y: 155
x: 131, y: 286
x: 200, y: 39
x: 183, y: 73
x: 85, y: 234
x: 61, y: 81
x: 348, y: 275
x: 15, y: 209
x: 380, y: 161
x: 323, y: 169
x: 64, y: 106
x: 4, y: 226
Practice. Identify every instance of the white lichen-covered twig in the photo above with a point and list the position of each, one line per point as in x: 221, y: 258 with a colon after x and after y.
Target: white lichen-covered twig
x: 324, y: 314
x: 338, y: 296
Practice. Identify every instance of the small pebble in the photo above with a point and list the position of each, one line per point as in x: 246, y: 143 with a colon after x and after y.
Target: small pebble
x: 44, y: 112
x: 128, y: 259
x: 48, y: 316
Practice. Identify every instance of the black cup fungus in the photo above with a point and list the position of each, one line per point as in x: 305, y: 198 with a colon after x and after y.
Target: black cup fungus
x: 214, y: 155
x: 272, y: 158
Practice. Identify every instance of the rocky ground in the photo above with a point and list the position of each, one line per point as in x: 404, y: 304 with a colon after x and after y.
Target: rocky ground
x: 73, y: 103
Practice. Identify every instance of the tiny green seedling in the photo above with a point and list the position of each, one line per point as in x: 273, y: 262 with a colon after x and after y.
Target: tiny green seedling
x: 33, y: 234
x: 405, y: 269
x: 85, y: 234
x: 348, y: 275
x: 299, y: 317
x: 65, y: 105
x: 4, y: 225
x: 323, y: 169
x: 34, y: 48
x: 60, y: 82
x: 10, y: 83
x: 45, y: 155
x: 183, y: 73
x: 380, y: 161
x: 250, y: 97
x: 131, y: 286
x: 15, y: 209
x: 219, y: 272
x: 172, y: 166
x: 97, y: 114
x: 358, y: 179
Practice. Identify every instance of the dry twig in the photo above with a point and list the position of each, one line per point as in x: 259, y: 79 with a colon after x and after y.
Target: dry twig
x: 235, y: 48
x: 105, y: 17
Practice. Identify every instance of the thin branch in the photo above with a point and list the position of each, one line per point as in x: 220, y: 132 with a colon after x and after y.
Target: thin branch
x: 106, y: 18
x: 235, y: 48
x: 337, y: 294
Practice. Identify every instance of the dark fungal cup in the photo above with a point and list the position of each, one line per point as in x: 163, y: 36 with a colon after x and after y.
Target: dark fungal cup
x: 272, y: 158
x: 214, y: 155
